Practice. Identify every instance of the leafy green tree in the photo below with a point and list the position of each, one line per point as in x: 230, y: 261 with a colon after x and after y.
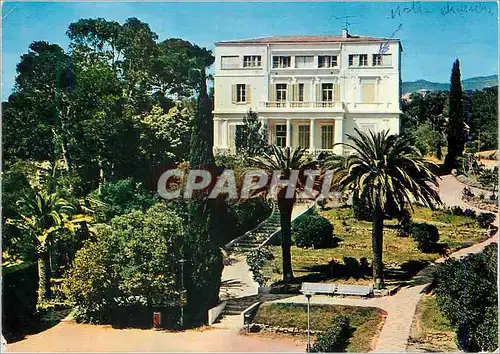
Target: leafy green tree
x: 467, y: 295
x: 489, y: 178
x: 43, y: 214
x: 251, y: 138
x: 131, y: 264
x: 484, y: 118
x: 165, y: 136
x: 456, y: 129
x: 391, y: 173
x: 286, y: 160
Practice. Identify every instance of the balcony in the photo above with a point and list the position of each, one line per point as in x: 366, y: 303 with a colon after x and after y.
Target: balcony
x: 371, y: 106
x: 301, y: 104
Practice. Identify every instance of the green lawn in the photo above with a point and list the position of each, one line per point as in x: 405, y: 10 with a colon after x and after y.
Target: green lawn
x: 402, y: 258
x: 367, y: 321
x: 431, y: 331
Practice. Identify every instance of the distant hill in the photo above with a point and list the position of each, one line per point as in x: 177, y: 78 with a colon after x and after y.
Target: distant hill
x: 474, y: 83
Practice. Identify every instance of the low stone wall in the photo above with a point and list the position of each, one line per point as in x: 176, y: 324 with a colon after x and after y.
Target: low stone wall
x: 259, y: 327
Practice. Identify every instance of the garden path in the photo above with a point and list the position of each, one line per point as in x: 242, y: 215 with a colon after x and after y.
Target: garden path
x: 401, y: 307
x: 237, y: 279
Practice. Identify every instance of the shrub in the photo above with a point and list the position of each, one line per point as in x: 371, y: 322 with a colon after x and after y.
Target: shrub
x: 312, y: 231
x: 335, y: 338
x: 132, y: 264
x: 18, y: 298
x: 121, y: 197
x: 426, y: 235
x: 470, y: 213
x: 456, y: 210
x: 466, y: 293
x: 404, y: 224
x: 481, y: 196
x: 256, y: 260
x: 360, y: 208
x: 485, y: 219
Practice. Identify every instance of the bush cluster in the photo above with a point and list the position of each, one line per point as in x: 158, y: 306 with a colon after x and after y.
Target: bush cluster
x: 426, y: 236
x: 467, y: 295
x: 129, y: 270
x: 485, y: 219
x: 312, y: 231
x: 335, y: 338
x: 257, y: 259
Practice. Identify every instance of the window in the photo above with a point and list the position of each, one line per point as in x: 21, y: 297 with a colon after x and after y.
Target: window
x: 281, y: 135
x: 363, y: 59
x: 327, y: 137
x: 327, y: 61
x: 353, y: 58
x: 327, y: 92
x: 230, y: 62
x: 281, y: 61
x: 377, y: 60
x: 368, y: 91
x: 387, y: 59
x: 280, y: 92
x: 252, y: 61
x: 304, y: 61
x: 240, y: 93
x: 301, y: 93
x: 304, y: 138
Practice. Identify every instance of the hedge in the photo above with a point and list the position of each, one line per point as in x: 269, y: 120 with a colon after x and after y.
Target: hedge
x: 18, y: 298
x: 426, y: 235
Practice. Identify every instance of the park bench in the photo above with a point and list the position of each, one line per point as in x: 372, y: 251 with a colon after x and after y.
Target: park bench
x: 337, y: 289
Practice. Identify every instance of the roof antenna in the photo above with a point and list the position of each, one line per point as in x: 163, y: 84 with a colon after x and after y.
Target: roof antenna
x: 346, y: 19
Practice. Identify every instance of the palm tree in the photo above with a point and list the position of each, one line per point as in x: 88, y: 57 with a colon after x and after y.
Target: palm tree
x: 42, y: 214
x: 286, y: 160
x: 387, y: 172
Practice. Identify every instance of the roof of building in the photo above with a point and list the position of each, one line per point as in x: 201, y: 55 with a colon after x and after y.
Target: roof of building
x: 307, y: 39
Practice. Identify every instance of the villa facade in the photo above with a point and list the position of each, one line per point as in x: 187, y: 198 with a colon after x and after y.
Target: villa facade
x: 309, y: 91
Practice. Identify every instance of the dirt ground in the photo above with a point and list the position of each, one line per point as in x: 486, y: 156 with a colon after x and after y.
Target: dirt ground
x: 72, y: 337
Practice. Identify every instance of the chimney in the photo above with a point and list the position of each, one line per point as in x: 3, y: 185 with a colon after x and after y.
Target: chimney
x: 345, y: 33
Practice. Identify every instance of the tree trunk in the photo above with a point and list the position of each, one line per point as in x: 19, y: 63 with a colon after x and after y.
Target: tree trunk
x: 43, y: 275
x: 439, y: 152
x: 286, y: 207
x: 377, y: 238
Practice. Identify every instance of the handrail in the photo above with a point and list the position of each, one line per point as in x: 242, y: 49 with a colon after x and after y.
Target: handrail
x: 262, y: 223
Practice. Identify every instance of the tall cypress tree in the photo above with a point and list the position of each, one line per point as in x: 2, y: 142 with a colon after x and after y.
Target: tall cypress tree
x: 204, y: 262
x: 455, y: 130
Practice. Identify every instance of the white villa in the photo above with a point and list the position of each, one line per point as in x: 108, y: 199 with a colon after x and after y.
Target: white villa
x: 310, y: 91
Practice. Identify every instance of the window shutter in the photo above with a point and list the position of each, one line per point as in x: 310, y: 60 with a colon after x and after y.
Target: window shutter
x: 296, y: 92
x: 336, y: 93
x: 307, y: 96
x: 387, y: 59
x: 232, y: 136
x: 318, y: 93
x: 368, y: 92
x: 248, y: 93
x: 233, y: 93
x: 295, y: 137
x: 272, y: 92
x: 289, y: 92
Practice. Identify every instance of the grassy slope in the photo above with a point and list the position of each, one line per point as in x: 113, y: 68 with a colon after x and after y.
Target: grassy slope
x: 367, y: 321
x: 430, y: 330
x: 315, y: 265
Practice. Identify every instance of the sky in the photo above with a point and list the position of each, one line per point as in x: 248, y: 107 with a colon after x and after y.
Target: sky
x: 433, y: 35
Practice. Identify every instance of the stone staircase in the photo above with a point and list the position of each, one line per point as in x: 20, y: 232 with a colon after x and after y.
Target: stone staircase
x: 257, y: 236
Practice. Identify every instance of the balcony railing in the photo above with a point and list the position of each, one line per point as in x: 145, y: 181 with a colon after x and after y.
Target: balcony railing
x: 301, y: 104
x: 369, y: 105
